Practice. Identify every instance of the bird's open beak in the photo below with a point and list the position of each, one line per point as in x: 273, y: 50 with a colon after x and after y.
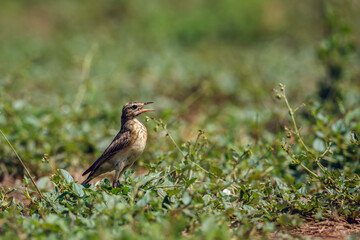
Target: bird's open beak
x: 146, y: 110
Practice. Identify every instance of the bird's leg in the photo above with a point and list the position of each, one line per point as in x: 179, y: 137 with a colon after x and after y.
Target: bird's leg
x: 118, y: 172
x: 122, y: 172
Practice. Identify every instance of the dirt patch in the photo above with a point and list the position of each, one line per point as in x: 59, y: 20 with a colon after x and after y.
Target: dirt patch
x: 17, y: 194
x: 329, y: 229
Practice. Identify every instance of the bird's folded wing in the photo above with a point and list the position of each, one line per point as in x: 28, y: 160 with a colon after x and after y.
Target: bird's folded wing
x: 122, y: 140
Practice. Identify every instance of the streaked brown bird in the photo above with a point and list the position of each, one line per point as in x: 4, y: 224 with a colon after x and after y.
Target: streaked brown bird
x: 126, y: 147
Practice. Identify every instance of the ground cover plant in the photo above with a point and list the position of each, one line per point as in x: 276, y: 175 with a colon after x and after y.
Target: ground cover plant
x: 231, y: 154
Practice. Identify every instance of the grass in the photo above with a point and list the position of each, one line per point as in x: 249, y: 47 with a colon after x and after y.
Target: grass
x: 229, y: 154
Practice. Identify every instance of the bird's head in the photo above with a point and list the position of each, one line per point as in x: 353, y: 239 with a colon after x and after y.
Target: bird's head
x: 133, y: 109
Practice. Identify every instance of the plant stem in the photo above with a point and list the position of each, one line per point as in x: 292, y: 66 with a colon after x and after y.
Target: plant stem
x: 298, y: 135
x: 28, y: 173
x: 198, y: 165
x: 163, y: 125
x: 302, y: 165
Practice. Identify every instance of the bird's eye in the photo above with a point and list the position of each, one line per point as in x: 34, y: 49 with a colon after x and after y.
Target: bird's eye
x: 134, y: 106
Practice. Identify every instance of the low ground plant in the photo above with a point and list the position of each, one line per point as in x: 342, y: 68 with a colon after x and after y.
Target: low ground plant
x: 198, y: 189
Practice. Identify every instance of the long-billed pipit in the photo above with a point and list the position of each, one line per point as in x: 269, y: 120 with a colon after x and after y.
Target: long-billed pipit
x: 126, y: 147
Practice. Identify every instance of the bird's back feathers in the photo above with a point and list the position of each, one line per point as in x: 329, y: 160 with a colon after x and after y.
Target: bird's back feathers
x: 120, y: 142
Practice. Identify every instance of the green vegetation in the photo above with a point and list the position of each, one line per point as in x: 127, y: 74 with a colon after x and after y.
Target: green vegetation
x: 231, y: 153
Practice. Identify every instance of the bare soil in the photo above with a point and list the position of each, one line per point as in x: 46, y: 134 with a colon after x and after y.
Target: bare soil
x: 330, y: 229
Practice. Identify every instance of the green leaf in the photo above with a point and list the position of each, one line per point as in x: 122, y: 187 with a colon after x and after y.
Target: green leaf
x: 209, y: 224
x: 10, y: 190
x: 217, y: 171
x: 44, y: 183
x: 115, y: 191
x: 319, y: 145
x: 339, y: 126
x: 67, y: 176
x: 144, y: 200
x: 172, y: 192
x: 106, y: 182
x: 26, y: 180
x: 191, y: 181
x: 235, y: 156
x: 206, y: 198
x: 186, y: 198
x: 166, y: 202
x: 78, y: 189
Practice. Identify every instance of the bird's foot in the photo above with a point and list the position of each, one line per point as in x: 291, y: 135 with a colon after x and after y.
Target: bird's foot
x: 115, y: 184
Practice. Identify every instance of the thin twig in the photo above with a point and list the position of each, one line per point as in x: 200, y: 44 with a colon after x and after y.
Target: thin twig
x: 301, y: 164
x: 28, y: 173
x: 298, y: 135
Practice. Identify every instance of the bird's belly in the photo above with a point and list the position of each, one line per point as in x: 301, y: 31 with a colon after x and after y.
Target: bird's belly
x: 133, y: 152
x: 139, y: 145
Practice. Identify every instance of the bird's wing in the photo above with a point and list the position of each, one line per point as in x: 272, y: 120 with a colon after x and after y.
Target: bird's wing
x: 121, y: 141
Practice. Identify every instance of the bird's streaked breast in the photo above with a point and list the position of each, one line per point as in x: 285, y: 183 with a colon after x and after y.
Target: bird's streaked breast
x: 140, y: 142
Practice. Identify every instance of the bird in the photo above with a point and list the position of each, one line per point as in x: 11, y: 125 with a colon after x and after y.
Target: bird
x: 125, y: 148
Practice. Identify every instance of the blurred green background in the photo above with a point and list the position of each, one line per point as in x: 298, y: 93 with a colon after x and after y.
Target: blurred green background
x: 67, y: 67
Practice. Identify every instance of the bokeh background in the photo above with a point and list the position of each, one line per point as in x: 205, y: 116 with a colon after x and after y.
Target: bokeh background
x: 67, y: 67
